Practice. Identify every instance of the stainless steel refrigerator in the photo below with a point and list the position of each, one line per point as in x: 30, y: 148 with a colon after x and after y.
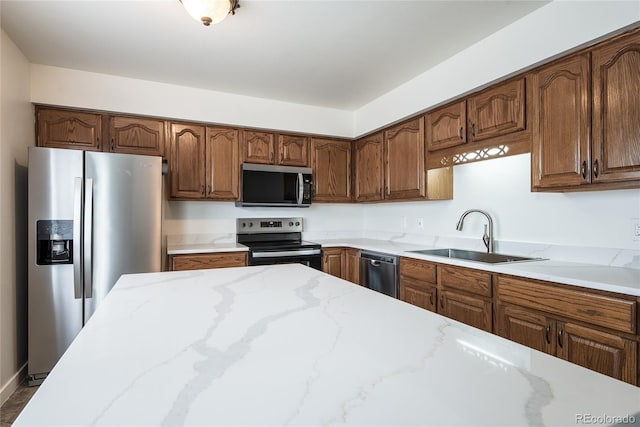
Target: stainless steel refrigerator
x: 92, y: 217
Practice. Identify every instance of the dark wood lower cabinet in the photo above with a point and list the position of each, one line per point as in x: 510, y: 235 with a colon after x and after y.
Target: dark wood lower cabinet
x: 204, y: 261
x: 599, y: 351
x: 526, y: 327
x: 332, y: 261
x: 417, y: 294
x: 470, y: 309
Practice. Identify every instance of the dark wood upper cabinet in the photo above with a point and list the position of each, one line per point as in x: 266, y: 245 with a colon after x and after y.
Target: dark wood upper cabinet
x: 222, y: 151
x: 258, y: 147
x: 368, y: 168
x: 69, y: 129
x: 331, y: 164
x: 293, y: 150
x: 404, y: 160
x: 187, y: 171
x: 499, y: 110
x: 560, y: 153
x: 137, y: 135
x: 446, y: 126
x: 616, y: 110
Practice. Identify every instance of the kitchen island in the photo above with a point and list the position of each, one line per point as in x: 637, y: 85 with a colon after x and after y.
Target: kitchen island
x: 289, y: 345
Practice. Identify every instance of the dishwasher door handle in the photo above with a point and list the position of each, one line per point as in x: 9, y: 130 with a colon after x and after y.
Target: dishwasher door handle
x: 375, y: 263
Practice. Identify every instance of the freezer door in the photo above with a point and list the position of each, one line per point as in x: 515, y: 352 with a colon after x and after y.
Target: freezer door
x: 123, y: 200
x: 54, y: 299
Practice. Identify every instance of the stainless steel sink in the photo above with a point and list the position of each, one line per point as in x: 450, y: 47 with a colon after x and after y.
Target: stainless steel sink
x: 490, y: 258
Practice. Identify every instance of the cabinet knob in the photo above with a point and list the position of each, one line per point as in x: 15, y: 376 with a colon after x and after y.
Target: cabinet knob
x: 560, y: 340
x: 596, y: 168
x: 209, y: 191
x: 431, y: 298
x: 473, y: 130
x: 583, y: 169
x: 546, y: 334
x: 113, y: 144
x: 202, y: 190
x: 442, y: 301
x: 460, y: 133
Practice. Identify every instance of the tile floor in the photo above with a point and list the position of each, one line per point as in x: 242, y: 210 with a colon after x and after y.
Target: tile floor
x: 18, y: 400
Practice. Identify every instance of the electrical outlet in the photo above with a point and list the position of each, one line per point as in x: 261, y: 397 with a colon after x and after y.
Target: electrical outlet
x: 420, y: 222
x: 635, y: 228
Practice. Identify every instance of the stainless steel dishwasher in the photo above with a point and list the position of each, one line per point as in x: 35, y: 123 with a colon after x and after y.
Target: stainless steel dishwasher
x: 379, y: 272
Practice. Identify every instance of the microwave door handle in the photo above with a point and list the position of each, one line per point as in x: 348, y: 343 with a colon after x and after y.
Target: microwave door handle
x: 300, y: 182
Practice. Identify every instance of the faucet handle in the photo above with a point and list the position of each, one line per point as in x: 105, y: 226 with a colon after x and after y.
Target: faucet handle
x: 486, y: 239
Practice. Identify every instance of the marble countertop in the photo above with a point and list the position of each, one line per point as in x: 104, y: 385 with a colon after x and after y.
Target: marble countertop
x: 592, y: 276
x: 289, y: 345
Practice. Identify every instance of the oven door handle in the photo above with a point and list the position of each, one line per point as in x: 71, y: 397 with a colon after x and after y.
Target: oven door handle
x: 300, y: 182
x: 304, y: 252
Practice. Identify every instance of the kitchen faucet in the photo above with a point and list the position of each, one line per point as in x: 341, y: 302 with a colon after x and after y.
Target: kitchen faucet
x: 486, y: 238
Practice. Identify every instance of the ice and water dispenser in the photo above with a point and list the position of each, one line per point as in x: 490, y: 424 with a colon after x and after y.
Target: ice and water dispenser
x: 54, y: 242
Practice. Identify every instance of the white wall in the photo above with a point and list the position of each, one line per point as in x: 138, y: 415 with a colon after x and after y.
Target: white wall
x: 16, y: 133
x: 73, y: 88
x: 502, y: 187
x: 544, y: 33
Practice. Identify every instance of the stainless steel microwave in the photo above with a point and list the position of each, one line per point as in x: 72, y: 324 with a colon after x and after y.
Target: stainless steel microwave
x: 268, y: 185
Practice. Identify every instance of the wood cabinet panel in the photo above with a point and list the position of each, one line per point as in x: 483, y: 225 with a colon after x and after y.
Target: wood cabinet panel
x: 352, y: 267
x: 187, y: 172
x: 499, y: 110
x: 331, y: 164
x: 258, y: 147
x: 416, y: 293
x: 466, y: 279
x: 609, y: 312
x: 616, y: 110
x: 560, y: 152
x: 599, y: 351
x: 446, y: 127
x: 293, y: 150
x: 368, y: 168
x: 222, y: 163
x: 526, y: 327
x: 137, y: 135
x: 423, y: 271
x: 472, y: 310
x: 69, y: 129
x: 404, y: 160
x: 204, y: 261
x: 332, y: 261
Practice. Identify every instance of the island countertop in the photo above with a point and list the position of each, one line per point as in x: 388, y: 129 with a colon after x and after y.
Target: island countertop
x: 289, y: 345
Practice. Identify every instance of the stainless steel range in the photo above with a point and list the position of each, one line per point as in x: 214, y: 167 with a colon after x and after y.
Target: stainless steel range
x: 277, y: 241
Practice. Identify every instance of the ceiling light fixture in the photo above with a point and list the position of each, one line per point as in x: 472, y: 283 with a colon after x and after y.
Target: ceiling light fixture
x: 210, y: 11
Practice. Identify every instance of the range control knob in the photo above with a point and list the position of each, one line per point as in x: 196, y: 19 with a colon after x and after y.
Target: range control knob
x: 250, y: 224
x: 244, y: 224
x: 297, y: 223
x: 290, y: 223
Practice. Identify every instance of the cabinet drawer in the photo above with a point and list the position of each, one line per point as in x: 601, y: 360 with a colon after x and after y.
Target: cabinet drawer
x: 609, y: 312
x: 219, y: 260
x: 419, y: 270
x: 466, y: 279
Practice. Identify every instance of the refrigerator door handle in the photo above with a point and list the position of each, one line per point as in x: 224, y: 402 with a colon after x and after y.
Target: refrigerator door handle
x: 88, y: 235
x: 77, y: 238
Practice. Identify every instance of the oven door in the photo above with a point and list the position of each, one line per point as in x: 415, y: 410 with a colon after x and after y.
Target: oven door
x: 309, y: 257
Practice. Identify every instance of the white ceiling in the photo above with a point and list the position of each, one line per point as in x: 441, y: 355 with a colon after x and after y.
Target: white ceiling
x: 333, y: 53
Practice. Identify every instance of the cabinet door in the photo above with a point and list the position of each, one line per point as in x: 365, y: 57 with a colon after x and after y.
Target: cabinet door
x: 414, y: 292
x: 332, y: 261
x: 446, y: 126
x: 69, y: 129
x: 222, y: 163
x: 187, y: 172
x: 352, y: 267
x: 560, y: 152
x: 258, y: 147
x: 293, y: 150
x: 135, y: 135
x: 202, y: 261
x: 616, y: 110
x: 331, y: 163
x: 404, y: 161
x: 599, y: 351
x: 472, y: 310
x: 497, y: 111
x: 526, y: 327
x: 368, y: 168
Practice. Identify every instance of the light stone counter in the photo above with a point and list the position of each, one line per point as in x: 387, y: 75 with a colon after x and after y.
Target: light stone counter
x: 602, y: 277
x: 289, y: 345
